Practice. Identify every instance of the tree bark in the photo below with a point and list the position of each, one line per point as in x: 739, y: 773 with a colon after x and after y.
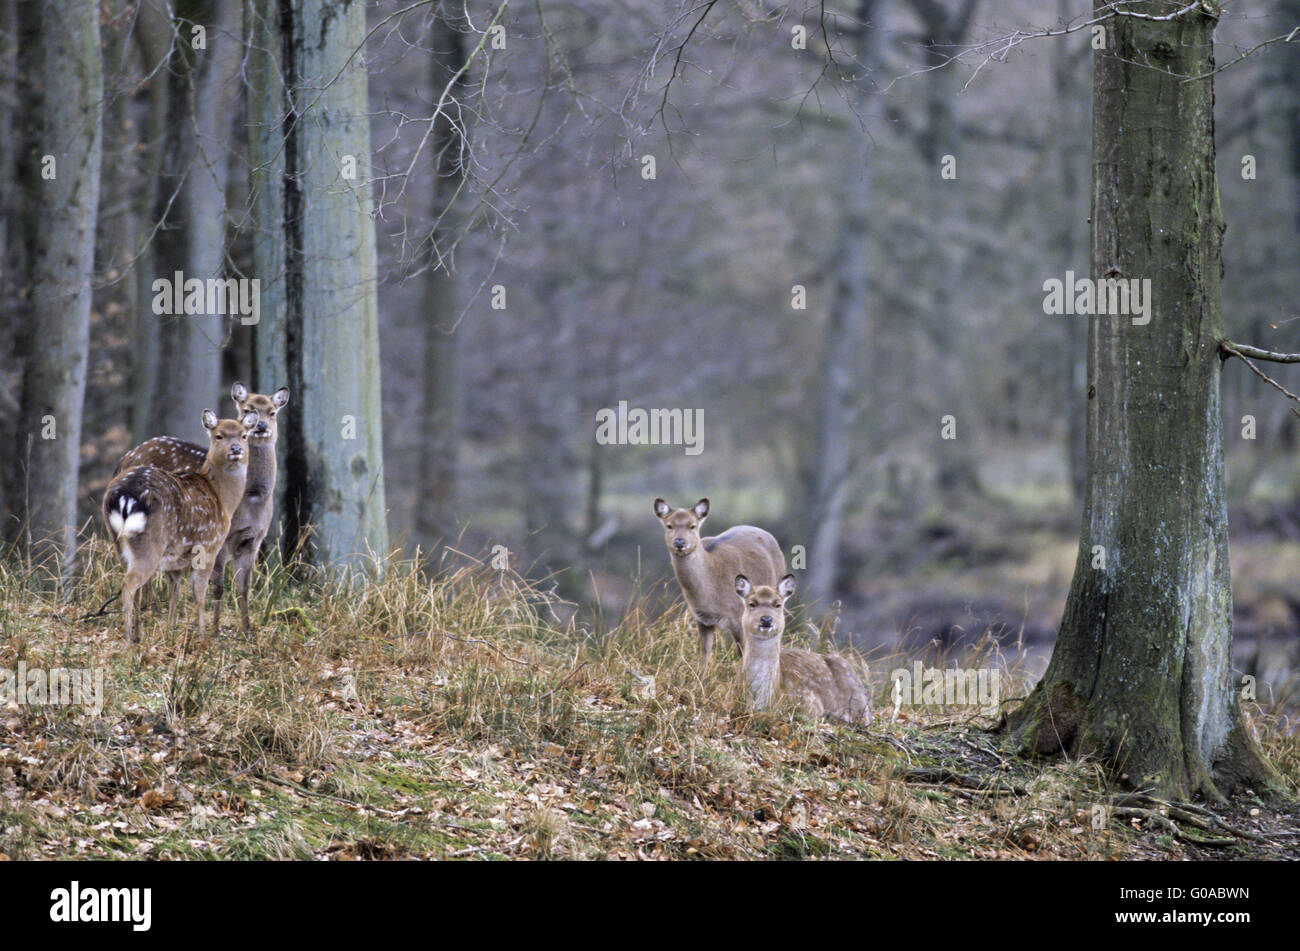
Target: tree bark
x: 1140, y: 675
x: 64, y: 54
x: 315, y: 246
x: 826, y: 476
x: 437, y: 515
x: 190, y: 202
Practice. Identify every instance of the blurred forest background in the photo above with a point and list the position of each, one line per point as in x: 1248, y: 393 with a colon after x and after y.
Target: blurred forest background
x: 756, y: 223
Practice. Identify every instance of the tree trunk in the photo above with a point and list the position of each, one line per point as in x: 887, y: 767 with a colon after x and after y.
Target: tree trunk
x: 1140, y: 675
x: 65, y: 55
x: 826, y: 474
x: 316, y: 247
x: 270, y: 118
x: 190, y: 201
x: 437, y: 515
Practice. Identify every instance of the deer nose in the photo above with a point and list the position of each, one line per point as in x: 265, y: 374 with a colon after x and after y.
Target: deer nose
x: 261, y: 426
x: 765, y: 621
x: 679, y: 543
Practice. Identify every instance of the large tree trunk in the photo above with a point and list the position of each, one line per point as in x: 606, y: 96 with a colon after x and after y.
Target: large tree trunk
x: 1141, y: 675
x: 65, y: 55
x: 437, y: 515
x: 190, y: 201
x: 315, y: 245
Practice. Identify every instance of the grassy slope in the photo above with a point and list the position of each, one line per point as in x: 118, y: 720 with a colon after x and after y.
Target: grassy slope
x: 461, y: 717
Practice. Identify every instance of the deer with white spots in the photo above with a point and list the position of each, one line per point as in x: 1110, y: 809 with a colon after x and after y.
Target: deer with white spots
x: 177, y: 523
x: 706, y: 568
x: 818, y: 685
x: 252, y: 519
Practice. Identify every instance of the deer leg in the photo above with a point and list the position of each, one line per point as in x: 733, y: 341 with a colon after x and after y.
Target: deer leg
x: 199, y: 579
x: 706, y: 643
x: 244, y: 559
x: 174, y: 579
x: 218, y: 583
x: 130, y: 588
x: 736, y: 636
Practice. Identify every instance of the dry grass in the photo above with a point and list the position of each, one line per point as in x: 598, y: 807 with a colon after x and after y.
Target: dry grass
x: 470, y: 715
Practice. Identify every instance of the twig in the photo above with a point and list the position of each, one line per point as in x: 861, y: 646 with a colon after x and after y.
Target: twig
x: 1236, y: 351
x: 102, y: 608
x: 1245, y: 350
x: 487, y: 644
x: 947, y: 777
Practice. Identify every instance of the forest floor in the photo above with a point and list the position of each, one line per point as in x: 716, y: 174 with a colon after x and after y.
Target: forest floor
x: 461, y: 717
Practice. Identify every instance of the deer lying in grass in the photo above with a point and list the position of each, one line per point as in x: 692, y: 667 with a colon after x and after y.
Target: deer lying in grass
x: 706, y: 567
x: 817, y: 685
x: 177, y: 523
x: 252, y: 519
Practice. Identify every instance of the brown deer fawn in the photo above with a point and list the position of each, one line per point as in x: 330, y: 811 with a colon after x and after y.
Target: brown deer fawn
x: 177, y: 523
x: 252, y: 519
x: 818, y: 685
x: 706, y: 568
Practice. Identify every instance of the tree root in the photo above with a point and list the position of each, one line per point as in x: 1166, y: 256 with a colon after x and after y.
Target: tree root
x: 1162, y: 812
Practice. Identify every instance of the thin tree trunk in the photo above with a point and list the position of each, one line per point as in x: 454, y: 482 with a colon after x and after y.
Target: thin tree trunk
x: 437, y: 513
x: 1141, y: 672
x: 826, y: 477
x: 191, y: 202
x: 56, y: 338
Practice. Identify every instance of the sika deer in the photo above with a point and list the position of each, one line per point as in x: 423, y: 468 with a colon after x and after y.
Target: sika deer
x: 706, y: 568
x: 177, y: 523
x: 252, y: 519
x: 817, y: 684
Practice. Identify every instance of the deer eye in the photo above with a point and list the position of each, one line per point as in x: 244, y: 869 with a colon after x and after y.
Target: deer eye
x: 753, y: 604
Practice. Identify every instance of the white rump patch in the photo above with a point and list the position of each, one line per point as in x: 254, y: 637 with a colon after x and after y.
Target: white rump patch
x: 126, y: 521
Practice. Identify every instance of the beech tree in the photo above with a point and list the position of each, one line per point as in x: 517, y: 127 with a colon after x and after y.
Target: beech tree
x: 59, y: 171
x: 1141, y: 673
x: 314, y: 249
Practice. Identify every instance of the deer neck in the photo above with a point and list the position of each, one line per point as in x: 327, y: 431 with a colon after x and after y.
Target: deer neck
x: 261, y: 463
x: 693, y: 574
x: 227, y: 483
x: 761, y: 668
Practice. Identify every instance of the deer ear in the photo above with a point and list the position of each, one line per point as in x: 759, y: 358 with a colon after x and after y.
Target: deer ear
x: 743, y: 587
x: 701, y: 509
x: 785, y: 587
x: 249, y: 420
x: 209, y: 419
x: 238, y: 392
x: 661, y: 508
x: 280, y: 397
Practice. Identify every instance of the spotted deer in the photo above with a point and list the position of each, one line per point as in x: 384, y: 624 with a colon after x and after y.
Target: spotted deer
x: 177, y: 522
x: 706, y: 568
x: 252, y: 519
x: 818, y: 685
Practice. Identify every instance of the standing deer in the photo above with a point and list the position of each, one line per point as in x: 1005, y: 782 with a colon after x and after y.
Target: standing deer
x: 177, y: 523
x: 706, y: 568
x: 817, y: 684
x: 252, y: 519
